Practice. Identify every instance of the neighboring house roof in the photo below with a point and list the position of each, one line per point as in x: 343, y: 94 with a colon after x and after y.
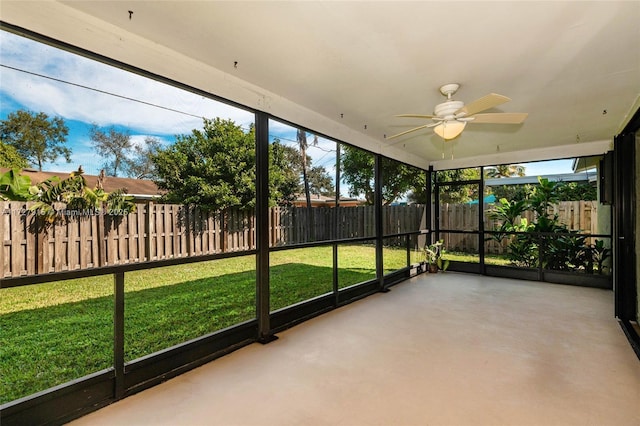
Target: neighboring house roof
x: 139, y: 188
x: 325, y: 201
x: 558, y: 177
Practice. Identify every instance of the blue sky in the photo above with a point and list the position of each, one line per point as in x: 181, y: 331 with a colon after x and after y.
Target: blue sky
x: 128, y: 102
x: 106, y: 106
x: 138, y: 105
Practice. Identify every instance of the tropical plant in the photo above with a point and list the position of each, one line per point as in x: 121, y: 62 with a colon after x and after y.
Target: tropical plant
x: 545, y: 242
x: 433, y: 255
x: 543, y: 197
x: 53, y: 195
x: 432, y: 252
x: 508, y: 213
x: 74, y: 193
x: 16, y: 187
x: 523, y: 251
x: 598, y: 254
x: 443, y: 264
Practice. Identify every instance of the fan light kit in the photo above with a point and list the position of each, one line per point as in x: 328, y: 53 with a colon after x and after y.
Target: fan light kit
x: 451, y: 117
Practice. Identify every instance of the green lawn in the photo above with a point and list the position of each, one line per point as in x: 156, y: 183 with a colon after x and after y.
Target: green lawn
x: 55, y: 332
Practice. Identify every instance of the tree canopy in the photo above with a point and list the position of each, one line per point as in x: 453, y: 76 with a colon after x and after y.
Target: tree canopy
x: 458, y: 193
x: 319, y: 179
x: 504, y: 171
x: 398, y: 178
x: 35, y: 136
x: 11, y: 158
x: 114, y: 146
x: 140, y: 164
x: 214, y: 168
x: 320, y: 182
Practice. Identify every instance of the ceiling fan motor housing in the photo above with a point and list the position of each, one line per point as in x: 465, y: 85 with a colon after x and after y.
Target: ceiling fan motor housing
x: 447, y: 109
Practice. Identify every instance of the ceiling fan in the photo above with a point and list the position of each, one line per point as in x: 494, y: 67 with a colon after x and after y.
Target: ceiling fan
x: 451, y: 117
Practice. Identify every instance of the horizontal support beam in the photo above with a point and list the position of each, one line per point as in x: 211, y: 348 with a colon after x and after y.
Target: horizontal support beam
x: 539, y: 154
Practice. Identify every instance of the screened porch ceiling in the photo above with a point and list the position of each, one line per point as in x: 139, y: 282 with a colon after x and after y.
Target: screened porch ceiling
x: 345, y: 69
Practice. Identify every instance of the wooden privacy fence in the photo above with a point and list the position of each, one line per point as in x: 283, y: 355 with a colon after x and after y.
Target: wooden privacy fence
x: 81, y: 240
x: 576, y: 215
x: 166, y: 231
x: 294, y: 225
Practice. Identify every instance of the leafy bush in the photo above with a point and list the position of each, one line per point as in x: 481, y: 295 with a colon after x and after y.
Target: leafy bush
x: 534, y: 244
x: 73, y: 192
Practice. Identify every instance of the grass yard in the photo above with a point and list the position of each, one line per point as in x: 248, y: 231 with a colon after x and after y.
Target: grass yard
x: 56, y: 332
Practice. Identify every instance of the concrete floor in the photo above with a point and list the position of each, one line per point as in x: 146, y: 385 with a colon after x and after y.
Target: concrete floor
x: 446, y: 349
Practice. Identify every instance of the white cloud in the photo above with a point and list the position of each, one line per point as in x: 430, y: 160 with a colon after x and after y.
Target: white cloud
x: 140, y: 119
x: 76, y: 103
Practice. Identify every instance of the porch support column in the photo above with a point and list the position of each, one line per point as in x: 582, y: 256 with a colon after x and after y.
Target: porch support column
x: 378, y: 221
x: 429, y: 205
x: 625, y: 203
x: 262, y: 229
x: 481, y: 254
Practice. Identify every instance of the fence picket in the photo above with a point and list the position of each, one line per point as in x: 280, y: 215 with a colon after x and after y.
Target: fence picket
x: 4, y: 239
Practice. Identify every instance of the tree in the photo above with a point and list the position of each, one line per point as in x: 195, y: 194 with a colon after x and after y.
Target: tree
x: 35, y: 136
x: 512, y: 192
x: 302, y: 142
x: 358, y: 173
x: 11, y: 158
x: 418, y: 194
x: 141, y: 165
x: 456, y: 194
x: 291, y: 165
x: 505, y: 171
x: 320, y: 182
x: 577, y: 191
x: 114, y: 146
x: 214, y: 168
x: 284, y: 173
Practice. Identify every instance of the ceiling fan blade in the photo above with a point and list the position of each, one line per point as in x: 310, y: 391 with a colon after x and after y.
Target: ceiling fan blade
x: 500, y: 117
x: 489, y: 101
x: 416, y: 116
x: 410, y: 130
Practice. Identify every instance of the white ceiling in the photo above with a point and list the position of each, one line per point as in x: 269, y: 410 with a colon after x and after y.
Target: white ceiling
x: 336, y: 67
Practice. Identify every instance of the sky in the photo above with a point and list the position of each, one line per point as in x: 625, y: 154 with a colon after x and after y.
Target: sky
x: 41, y: 78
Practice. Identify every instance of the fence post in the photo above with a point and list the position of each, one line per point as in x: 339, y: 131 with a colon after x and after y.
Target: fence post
x: 101, y: 261
x: 186, y: 220
x: 147, y: 231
